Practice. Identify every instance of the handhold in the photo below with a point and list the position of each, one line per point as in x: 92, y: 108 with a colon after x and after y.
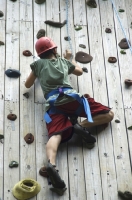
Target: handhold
x: 112, y: 60
x: 56, y: 24
x: 1, y: 136
x: 40, y: 1
x: 29, y: 138
x: 91, y: 3
x: 41, y: 33
x: 130, y: 128
x: 82, y: 46
x: 12, y: 73
x: 121, y: 10
x: 117, y: 120
x: 83, y: 57
x: 67, y: 38
x: 108, y: 30
x: 12, y: 117
x: 78, y: 28
x: 128, y: 82
x: 85, y: 69
x: 1, y: 14
x: 43, y: 172
x: 27, y: 53
x: 122, y: 52
x: 123, y: 44
x: 13, y: 164
x: 26, y: 95
x: 125, y: 195
x: 13, y: 0
x: 1, y: 43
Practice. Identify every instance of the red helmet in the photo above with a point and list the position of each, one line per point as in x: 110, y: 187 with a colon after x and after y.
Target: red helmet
x: 44, y: 44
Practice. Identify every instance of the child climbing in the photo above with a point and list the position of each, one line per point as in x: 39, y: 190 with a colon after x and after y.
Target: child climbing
x: 63, y: 104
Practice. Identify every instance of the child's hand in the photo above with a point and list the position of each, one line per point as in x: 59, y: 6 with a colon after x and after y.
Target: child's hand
x: 67, y: 55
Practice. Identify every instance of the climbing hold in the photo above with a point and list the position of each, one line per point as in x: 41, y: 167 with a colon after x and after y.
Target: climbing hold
x: 85, y: 69
x: 121, y: 10
x: 1, y: 14
x: 13, y: 0
x: 29, y: 138
x: 123, y: 44
x: 26, y: 95
x: 128, y: 82
x: 112, y: 60
x: 67, y: 38
x: 40, y: 1
x: 1, y: 136
x: 12, y: 117
x: 27, y: 53
x: 56, y: 24
x: 91, y: 3
x: 1, y: 43
x: 130, y: 128
x: 43, y: 172
x: 13, y: 164
x: 77, y: 27
x: 12, y: 73
x: 117, y: 120
x: 83, y: 57
x: 82, y: 46
x: 125, y: 195
x: 41, y: 33
x: 108, y: 30
x: 122, y: 52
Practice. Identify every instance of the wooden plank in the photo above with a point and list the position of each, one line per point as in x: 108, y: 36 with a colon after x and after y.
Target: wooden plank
x: 3, y: 9
x: 26, y: 10
x: 12, y: 12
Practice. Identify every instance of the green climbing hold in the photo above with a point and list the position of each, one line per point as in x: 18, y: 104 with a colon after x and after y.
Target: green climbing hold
x: 13, y: 164
x: 78, y: 28
x: 122, y: 52
x: 121, y: 10
x: 130, y: 128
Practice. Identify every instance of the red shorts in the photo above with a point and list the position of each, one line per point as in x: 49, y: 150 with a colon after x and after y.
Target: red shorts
x: 61, y: 123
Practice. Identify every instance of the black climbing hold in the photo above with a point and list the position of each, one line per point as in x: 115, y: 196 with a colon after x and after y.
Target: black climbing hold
x: 26, y: 95
x: 41, y: 33
x: 12, y: 117
x: 27, y: 53
x: 1, y: 136
x: 40, y: 1
x: 12, y: 73
x: 128, y: 82
x: 1, y: 14
x: 56, y: 24
x: 83, y: 57
x: 67, y: 38
x: 112, y: 60
x: 125, y: 195
x: 117, y: 120
x: 82, y: 46
x: 13, y: 0
x: 122, y: 52
x: 108, y: 30
x: 13, y: 164
x: 29, y: 138
x: 1, y: 43
x: 91, y: 3
x: 85, y: 69
x: 123, y: 44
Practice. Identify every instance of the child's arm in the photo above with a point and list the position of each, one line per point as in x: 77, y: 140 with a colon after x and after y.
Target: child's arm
x: 78, y: 70
x: 30, y: 80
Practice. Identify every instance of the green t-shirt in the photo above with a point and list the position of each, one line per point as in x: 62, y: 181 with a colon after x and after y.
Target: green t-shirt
x: 52, y: 74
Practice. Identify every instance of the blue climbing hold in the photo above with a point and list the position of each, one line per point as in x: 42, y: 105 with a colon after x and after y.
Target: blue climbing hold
x: 12, y: 73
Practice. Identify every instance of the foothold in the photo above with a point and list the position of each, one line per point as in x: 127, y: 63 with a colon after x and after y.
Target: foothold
x: 12, y: 117
x: 117, y: 120
x: 41, y: 33
x: 26, y: 95
x: 130, y: 128
x: 1, y: 136
x: 29, y: 138
x: 1, y: 14
x: 13, y: 0
x: 82, y: 46
x: 12, y: 73
x: 67, y: 38
x: 85, y: 69
x: 123, y: 44
x: 13, y: 164
x: 43, y: 172
x: 56, y: 24
x: 108, y: 30
x: 83, y: 57
x: 27, y: 53
x: 78, y: 27
x: 40, y: 1
x: 91, y: 3
x: 122, y: 52
x: 125, y: 195
x: 112, y: 60
x: 121, y: 10
x: 128, y: 82
x: 1, y: 43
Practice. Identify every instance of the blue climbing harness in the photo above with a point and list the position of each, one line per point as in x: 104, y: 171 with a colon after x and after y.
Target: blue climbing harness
x: 60, y: 92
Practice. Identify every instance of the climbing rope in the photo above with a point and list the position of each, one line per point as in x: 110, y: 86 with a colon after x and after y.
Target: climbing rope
x: 121, y: 26
x: 67, y: 27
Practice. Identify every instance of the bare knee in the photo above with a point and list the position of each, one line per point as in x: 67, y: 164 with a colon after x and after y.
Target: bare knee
x: 110, y: 116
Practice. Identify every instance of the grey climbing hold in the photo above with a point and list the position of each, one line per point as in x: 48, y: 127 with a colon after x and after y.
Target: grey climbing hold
x: 1, y: 136
x: 13, y: 164
x: 117, y: 120
x: 12, y: 73
x: 40, y: 1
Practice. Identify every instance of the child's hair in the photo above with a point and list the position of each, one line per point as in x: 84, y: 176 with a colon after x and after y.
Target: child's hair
x: 47, y: 54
